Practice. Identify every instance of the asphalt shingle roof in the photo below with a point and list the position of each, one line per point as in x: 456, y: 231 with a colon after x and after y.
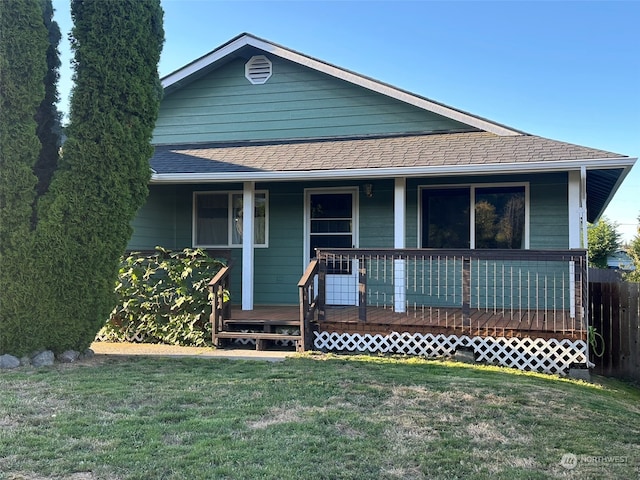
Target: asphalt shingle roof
x: 464, y: 149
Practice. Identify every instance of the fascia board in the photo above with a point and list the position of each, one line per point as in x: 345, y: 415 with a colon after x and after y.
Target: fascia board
x: 336, y: 72
x: 203, y: 62
x: 360, y: 173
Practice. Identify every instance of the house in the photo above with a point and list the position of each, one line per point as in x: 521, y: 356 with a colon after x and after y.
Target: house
x: 620, y: 260
x: 419, y: 227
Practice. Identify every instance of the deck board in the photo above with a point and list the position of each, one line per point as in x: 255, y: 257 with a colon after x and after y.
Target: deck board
x: 519, y: 323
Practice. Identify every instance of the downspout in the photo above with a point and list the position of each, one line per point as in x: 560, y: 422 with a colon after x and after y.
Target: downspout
x: 584, y: 242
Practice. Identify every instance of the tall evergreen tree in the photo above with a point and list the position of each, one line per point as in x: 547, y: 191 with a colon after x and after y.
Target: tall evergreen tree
x: 23, y: 45
x: 48, y: 117
x: 84, y: 218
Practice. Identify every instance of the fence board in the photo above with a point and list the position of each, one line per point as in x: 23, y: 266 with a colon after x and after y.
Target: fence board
x: 615, y: 314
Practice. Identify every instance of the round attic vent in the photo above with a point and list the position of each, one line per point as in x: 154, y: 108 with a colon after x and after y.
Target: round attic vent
x: 258, y: 69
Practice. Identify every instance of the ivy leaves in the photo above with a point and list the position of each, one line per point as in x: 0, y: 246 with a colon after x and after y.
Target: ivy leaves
x: 163, y: 297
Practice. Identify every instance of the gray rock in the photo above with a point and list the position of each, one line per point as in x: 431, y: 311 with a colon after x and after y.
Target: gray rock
x: 43, y: 359
x: 69, y: 356
x: 9, y: 361
x: 88, y: 353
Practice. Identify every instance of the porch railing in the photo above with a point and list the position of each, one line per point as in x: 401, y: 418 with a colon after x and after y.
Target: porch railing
x: 515, y: 290
x: 308, y: 303
x: 219, y: 289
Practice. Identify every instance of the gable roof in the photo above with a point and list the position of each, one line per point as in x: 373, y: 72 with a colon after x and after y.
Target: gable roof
x: 495, y: 149
x: 246, y: 45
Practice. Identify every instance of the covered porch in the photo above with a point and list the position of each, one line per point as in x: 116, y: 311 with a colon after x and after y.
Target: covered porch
x: 427, y: 302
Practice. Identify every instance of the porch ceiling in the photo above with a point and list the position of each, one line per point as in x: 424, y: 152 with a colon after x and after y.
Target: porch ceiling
x: 601, y: 185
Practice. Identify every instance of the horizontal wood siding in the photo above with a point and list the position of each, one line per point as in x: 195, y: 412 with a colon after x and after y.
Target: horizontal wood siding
x: 279, y: 267
x: 296, y: 102
x: 154, y: 223
x: 549, y: 221
x: 376, y: 215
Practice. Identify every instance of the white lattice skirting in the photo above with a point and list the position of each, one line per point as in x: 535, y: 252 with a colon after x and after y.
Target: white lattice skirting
x: 532, y: 354
x: 104, y: 336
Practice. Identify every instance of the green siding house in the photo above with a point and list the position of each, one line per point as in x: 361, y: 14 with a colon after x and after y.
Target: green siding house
x: 329, y: 159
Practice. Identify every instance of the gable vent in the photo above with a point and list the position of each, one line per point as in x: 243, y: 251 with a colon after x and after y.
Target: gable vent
x: 258, y: 69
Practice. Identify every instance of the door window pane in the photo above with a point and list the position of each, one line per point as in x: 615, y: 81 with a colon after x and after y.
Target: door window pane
x: 331, y: 205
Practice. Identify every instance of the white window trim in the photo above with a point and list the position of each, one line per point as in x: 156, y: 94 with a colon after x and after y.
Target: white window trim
x: 229, y: 193
x: 472, y: 188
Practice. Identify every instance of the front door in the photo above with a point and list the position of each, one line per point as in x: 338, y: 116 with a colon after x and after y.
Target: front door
x: 331, y: 223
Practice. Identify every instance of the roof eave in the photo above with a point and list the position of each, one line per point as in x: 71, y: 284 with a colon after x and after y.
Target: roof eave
x: 614, y: 189
x: 369, y: 173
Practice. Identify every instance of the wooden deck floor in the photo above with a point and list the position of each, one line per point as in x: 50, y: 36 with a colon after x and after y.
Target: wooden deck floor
x: 517, y: 323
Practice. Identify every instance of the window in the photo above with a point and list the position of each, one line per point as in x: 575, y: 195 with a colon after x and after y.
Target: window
x: 218, y: 219
x: 474, y: 217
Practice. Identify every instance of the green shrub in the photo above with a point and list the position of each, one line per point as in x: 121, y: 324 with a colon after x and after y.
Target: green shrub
x: 23, y: 66
x: 163, y: 298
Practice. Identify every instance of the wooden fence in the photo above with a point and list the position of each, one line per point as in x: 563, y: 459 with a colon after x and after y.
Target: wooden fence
x: 614, y: 312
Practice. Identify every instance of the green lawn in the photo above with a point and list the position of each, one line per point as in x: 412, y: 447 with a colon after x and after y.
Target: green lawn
x: 311, y: 417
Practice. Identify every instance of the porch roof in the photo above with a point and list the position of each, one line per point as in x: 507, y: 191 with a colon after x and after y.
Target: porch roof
x: 465, y: 153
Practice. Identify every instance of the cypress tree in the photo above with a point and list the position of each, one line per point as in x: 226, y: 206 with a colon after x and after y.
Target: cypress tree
x: 23, y: 43
x: 101, y: 181
x: 48, y: 117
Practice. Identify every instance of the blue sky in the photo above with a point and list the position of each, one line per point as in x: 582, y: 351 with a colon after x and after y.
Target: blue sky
x: 569, y: 71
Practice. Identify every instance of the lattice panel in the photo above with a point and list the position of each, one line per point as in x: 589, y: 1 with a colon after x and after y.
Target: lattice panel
x: 104, y: 336
x: 549, y: 356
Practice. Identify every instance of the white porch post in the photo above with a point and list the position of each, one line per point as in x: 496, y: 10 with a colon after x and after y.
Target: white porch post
x: 583, y: 206
x: 399, y: 229
x: 577, y: 202
x: 248, y: 207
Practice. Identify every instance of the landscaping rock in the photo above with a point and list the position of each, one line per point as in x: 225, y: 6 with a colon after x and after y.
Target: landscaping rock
x: 9, y: 361
x: 43, y: 359
x: 87, y: 354
x: 69, y: 356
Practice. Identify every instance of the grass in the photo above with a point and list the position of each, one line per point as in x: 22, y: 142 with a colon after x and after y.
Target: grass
x: 316, y: 416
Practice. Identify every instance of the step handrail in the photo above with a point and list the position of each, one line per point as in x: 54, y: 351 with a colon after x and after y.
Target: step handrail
x: 308, y: 302
x: 219, y: 290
